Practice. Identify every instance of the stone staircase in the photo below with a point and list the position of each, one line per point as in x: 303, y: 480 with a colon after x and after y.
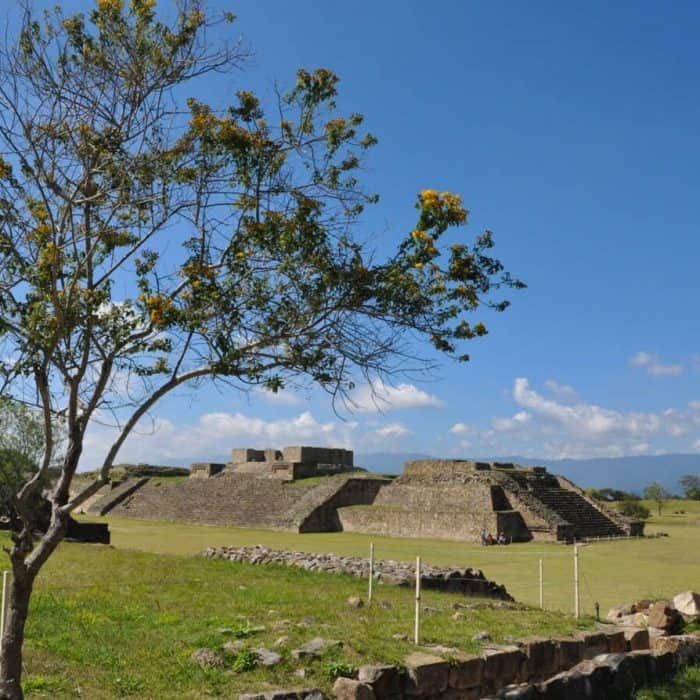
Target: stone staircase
x: 243, y: 500
x: 111, y: 498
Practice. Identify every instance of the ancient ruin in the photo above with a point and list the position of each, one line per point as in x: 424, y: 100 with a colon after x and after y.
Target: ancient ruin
x: 316, y: 489
x: 459, y: 499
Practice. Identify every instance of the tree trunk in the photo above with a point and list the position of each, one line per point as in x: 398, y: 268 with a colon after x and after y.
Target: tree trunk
x: 13, y: 639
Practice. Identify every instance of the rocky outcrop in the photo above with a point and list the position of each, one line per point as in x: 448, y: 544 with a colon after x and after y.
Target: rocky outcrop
x: 467, y: 581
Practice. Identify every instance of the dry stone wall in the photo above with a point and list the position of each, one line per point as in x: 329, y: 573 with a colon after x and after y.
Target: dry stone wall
x: 465, y: 580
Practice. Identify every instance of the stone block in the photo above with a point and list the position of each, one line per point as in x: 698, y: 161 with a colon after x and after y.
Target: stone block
x: 594, y: 643
x: 637, y: 638
x: 503, y: 666
x: 642, y: 667
x: 685, y: 646
x: 570, y: 652
x: 542, y: 658
x: 246, y: 454
x: 385, y: 680
x: 617, y: 644
x: 349, y: 689
x: 665, y: 664
x: 688, y: 605
x: 466, y: 671
x: 427, y: 674
x: 272, y: 455
x: 665, y: 617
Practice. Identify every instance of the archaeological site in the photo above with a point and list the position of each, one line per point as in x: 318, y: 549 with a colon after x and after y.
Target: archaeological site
x: 315, y: 489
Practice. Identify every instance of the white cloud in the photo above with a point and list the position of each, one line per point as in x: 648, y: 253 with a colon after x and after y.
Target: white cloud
x: 214, y: 434
x: 392, y: 430
x: 460, y: 428
x: 382, y: 397
x: 563, y: 392
x: 585, y: 420
x: 651, y: 363
x: 517, y: 422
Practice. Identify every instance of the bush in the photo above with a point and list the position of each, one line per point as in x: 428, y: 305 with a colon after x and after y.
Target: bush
x: 634, y: 509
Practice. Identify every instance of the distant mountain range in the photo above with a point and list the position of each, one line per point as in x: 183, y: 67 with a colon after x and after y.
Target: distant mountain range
x: 625, y: 473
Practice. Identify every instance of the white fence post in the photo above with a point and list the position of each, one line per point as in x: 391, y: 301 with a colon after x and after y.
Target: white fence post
x: 416, y: 635
x: 371, y: 572
x: 577, y: 597
x: 3, y: 604
x: 541, y: 587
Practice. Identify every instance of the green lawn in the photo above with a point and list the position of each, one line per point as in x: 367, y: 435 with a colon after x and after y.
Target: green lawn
x: 611, y: 572
x: 122, y: 621
x: 108, y: 622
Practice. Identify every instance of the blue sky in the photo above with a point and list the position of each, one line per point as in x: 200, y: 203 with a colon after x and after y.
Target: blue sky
x: 571, y: 130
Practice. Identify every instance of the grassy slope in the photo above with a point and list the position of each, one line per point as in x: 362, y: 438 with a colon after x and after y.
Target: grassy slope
x: 114, y: 622
x: 611, y: 572
x: 109, y: 623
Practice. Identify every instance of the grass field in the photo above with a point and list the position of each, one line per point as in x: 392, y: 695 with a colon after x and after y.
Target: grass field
x: 108, y: 623
x: 611, y: 572
x: 122, y: 621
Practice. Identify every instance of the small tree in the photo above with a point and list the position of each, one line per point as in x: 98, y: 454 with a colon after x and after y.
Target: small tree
x: 657, y: 493
x: 634, y: 509
x: 146, y: 244
x: 690, y: 483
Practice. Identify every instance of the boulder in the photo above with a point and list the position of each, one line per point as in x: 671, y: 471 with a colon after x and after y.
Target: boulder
x: 688, y: 605
x: 385, y: 679
x: 665, y: 617
x: 427, y: 674
x: 207, y: 657
x: 354, y: 601
x: 267, y: 657
x: 314, y: 648
x: 637, y: 638
x: 614, y: 614
x: 349, y: 689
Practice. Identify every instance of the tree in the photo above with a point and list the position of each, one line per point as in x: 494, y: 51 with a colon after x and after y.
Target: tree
x: 146, y: 244
x: 21, y: 448
x: 690, y: 483
x: 634, y: 509
x: 657, y: 493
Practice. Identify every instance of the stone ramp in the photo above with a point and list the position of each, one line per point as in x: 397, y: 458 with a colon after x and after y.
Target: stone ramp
x: 113, y: 497
x: 243, y: 500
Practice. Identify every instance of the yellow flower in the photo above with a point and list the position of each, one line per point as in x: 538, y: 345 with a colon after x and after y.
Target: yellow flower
x: 110, y: 5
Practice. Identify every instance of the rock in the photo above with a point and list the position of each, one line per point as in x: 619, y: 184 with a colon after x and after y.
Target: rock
x: 639, y: 619
x: 315, y: 647
x: 542, y: 657
x: 307, y: 694
x: 614, y: 614
x: 688, y: 605
x: 385, y: 679
x: 427, y: 674
x: 281, y: 641
x: 399, y: 637
x: 466, y: 671
x: 442, y: 649
x: 637, y: 638
x: 225, y: 630
x: 267, y: 657
x: 207, y: 657
x: 642, y: 605
x: 300, y: 673
x: 354, y: 601
x: 428, y: 609
x: 349, y: 689
x: 662, y: 616
x: 481, y: 637
x: 458, y: 616
x: 233, y: 647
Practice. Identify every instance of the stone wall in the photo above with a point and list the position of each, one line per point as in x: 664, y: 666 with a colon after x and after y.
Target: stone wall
x: 463, y: 580
x: 244, y: 500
